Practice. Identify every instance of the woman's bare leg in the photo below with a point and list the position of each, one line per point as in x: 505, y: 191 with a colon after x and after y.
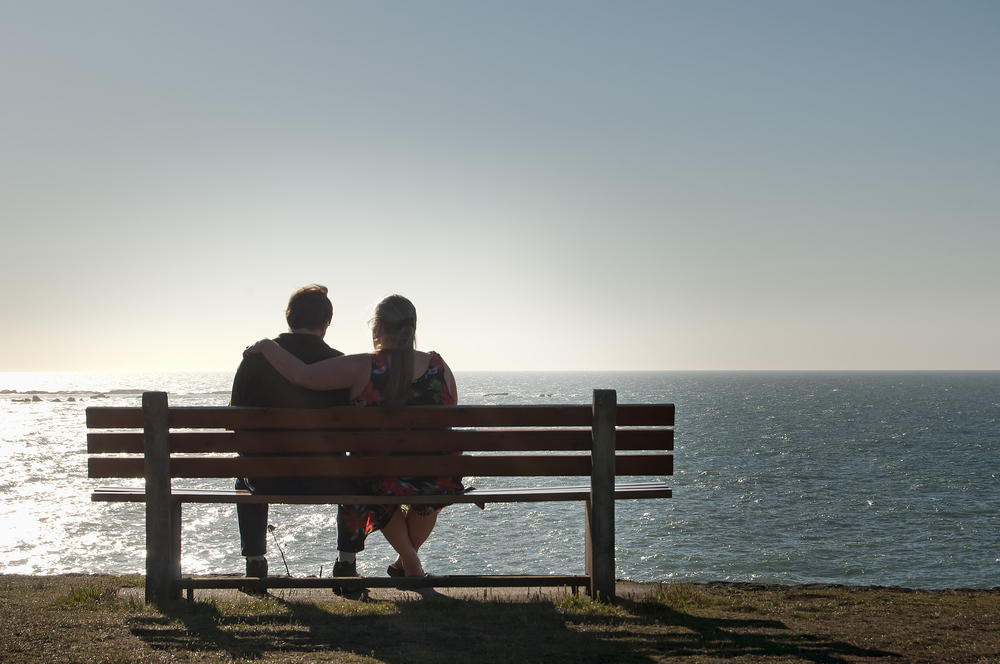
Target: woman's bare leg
x: 398, y: 536
x: 419, y: 529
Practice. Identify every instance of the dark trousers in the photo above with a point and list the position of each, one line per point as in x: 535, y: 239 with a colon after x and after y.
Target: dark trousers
x: 253, y: 516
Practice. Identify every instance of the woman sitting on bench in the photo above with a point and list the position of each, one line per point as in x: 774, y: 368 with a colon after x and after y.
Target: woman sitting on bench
x: 394, y: 376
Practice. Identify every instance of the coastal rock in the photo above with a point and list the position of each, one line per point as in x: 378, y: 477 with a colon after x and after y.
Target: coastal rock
x: 35, y: 398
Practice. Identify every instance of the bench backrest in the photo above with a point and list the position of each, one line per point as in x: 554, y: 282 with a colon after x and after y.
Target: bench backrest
x: 221, y: 442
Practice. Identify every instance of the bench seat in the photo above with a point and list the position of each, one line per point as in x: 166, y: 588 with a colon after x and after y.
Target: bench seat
x: 475, y: 496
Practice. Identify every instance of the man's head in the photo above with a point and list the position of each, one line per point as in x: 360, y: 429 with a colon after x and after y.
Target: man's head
x: 309, y: 309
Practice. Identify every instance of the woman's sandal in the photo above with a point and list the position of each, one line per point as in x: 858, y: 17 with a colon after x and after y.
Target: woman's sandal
x: 397, y: 572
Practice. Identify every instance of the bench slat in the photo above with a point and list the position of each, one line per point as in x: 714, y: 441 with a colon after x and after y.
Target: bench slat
x: 509, y: 465
x: 112, y: 417
x: 355, y: 583
x: 469, y: 440
x: 512, y: 495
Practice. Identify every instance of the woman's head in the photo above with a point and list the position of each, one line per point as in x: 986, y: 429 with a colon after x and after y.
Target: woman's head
x: 394, y: 329
x: 394, y: 325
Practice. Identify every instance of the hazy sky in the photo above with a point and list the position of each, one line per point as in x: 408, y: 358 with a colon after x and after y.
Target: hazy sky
x: 555, y: 185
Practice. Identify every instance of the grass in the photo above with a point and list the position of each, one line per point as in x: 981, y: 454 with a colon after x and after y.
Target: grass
x: 85, y: 619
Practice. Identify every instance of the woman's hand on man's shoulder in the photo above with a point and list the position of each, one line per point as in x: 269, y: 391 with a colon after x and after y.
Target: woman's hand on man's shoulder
x: 256, y: 347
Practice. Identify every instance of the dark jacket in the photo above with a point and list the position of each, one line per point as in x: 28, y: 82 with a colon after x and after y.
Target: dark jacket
x: 258, y: 384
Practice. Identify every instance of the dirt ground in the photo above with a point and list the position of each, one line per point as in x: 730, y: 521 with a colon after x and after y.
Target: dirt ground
x: 103, y: 620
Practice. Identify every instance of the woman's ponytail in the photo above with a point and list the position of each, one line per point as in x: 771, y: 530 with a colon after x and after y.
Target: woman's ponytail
x: 397, y: 318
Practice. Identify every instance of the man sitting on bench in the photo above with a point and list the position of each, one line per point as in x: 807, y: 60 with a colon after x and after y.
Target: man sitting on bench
x: 258, y: 384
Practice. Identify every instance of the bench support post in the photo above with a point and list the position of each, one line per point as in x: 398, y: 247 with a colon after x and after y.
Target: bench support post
x: 159, y: 526
x: 601, y: 506
x: 175, y: 545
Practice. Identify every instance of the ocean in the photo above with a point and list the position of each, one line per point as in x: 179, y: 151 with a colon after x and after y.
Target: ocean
x: 864, y: 478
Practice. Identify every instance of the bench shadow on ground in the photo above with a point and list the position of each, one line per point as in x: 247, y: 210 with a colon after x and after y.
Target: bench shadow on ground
x: 445, y: 629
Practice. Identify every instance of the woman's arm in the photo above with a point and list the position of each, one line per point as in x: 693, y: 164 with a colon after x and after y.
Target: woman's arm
x: 331, y: 374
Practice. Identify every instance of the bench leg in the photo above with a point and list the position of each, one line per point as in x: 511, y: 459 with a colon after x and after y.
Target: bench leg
x: 601, y: 506
x: 159, y: 530
x: 175, y: 547
x: 601, y: 573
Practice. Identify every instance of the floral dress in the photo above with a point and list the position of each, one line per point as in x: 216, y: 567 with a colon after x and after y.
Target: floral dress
x: 430, y: 389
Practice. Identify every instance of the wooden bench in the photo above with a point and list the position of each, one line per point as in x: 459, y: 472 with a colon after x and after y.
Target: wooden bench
x: 602, y: 442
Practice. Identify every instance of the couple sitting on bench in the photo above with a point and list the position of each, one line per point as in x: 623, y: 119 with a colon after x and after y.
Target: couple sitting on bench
x: 299, y: 370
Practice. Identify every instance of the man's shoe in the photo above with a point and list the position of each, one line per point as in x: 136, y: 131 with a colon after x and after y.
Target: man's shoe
x: 257, y: 568
x: 343, y: 569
